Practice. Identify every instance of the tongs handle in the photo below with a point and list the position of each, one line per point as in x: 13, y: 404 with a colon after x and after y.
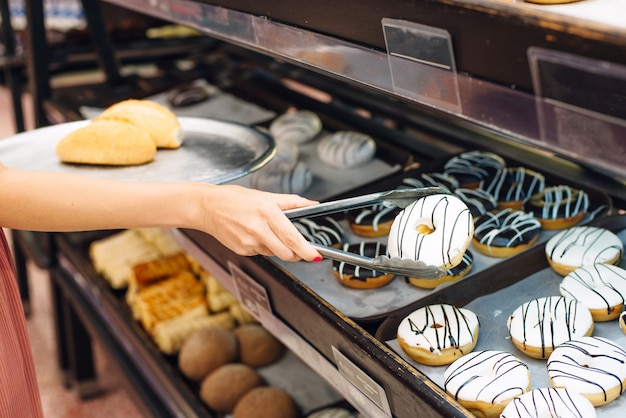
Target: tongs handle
x: 398, y: 197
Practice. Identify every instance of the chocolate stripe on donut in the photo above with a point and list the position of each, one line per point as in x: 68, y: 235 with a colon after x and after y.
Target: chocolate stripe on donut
x: 507, y: 228
x: 454, y: 224
x: 583, y: 245
x: 588, y: 365
x: 548, y: 322
x: 549, y: 402
x: 367, y: 249
x: 597, y: 286
x: 442, y: 326
x: 500, y: 376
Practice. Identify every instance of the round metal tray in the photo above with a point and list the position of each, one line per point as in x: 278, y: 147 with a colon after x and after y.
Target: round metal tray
x: 213, y: 151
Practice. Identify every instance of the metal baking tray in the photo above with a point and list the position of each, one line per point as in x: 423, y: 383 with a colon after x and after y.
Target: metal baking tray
x: 494, y: 294
x: 374, y: 305
x: 213, y: 151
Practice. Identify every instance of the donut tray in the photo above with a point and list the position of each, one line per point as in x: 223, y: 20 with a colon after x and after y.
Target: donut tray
x: 371, y: 306
x: 494, y: 294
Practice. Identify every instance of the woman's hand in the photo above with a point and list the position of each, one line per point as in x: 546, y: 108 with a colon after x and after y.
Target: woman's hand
x: 252, y: 222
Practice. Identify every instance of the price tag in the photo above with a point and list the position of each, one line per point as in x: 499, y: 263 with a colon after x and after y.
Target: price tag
x: 421, y: 60
x: 365, y: 384
x: 251, y: 294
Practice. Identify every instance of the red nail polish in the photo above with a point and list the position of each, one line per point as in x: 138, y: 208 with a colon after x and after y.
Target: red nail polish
x: 317, y: 259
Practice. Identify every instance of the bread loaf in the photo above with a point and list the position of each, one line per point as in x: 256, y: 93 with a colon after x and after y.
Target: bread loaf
x: 151, y: 117
x: 107, y: 142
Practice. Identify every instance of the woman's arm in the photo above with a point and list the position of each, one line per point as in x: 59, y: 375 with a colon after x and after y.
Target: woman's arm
x: 246, y: 221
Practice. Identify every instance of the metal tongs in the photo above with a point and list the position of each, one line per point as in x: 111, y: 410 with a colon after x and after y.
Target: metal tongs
x: 399, y: 198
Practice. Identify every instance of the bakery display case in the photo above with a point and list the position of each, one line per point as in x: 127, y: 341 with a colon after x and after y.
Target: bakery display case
x: 541, y: 86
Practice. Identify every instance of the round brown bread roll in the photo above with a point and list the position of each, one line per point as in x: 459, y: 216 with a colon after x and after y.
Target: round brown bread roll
x: 257, y: 347
x: 266, y: 402
x: 157, y: 120
x: 205, y: 350
x: 222, y: 389
x: 107, y: 142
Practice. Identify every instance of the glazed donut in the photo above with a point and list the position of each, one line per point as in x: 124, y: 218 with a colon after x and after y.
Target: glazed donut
x: 539, y: 326
x: 484, y: 382
x: 346, y: 149
x: 505, y: 233
x: 372, y: 221
x: 559, y: 207
x: 472, y: 167
x: 296, y: 127
x: 595, y: 367
x: 600, y: 287
x: 452, y: 275
x: 582, y: 245
x: 549, y: 402
x: 359, y: 277
x: 435, y: 229
x: 295, y: 180
x: 513, y: 186
x: 443, y: 180
x: 436, y: 335
x: 478, y: 201
x: 324, y: 230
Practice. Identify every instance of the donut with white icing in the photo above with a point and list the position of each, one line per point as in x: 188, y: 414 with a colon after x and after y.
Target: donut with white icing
x: 435, y: 229
x: 295, y: 180
x: 451, y: 275
x: 549, y: 402
x: 360, y: 277
x: 477, y: 200
x: 484, y: 382
x: 505, y: 233
x: 296, y: 127
x: 600, y: 287
x: 436, y: 335
x: 559, y: 207
x: 346, y: 149
x: 325, y: 231
x: 513, y: 186
x: 622, y: 319
x: 443, y: 180
x: 595, y: 367
x: 582, y: 245
x: 372, y: 221
x: 538, y: 326
x: 472, y: 167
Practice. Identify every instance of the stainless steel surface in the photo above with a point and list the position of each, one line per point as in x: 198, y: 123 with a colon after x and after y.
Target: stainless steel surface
x: 213, y: 151
x: 400, y: 198
x: 395, y: 265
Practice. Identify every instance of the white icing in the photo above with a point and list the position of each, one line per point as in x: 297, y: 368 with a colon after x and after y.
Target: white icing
x: 487, y: 376
x: 589, y: 366
x: 373, y: 215
x: 296, y: 180
x: 346, y: 149
x: 560, y: 202
x: 514, y: 184
x: 480, y: 200
x: 296, y: 127
x: 506, y: 228
x: 452, y: 225
x: 548, y: 403
x: 583, y: 245
x: 332, y: 412
x: 549, y: 321
x: 475, y: 164
x: 597, y: 286
x: 325, y: 231
x: 444, y: 180
x: 439, y: 327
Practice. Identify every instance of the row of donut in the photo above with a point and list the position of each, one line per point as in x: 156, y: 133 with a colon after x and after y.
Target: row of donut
x: 286, y: 173
x: 493, y: 383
